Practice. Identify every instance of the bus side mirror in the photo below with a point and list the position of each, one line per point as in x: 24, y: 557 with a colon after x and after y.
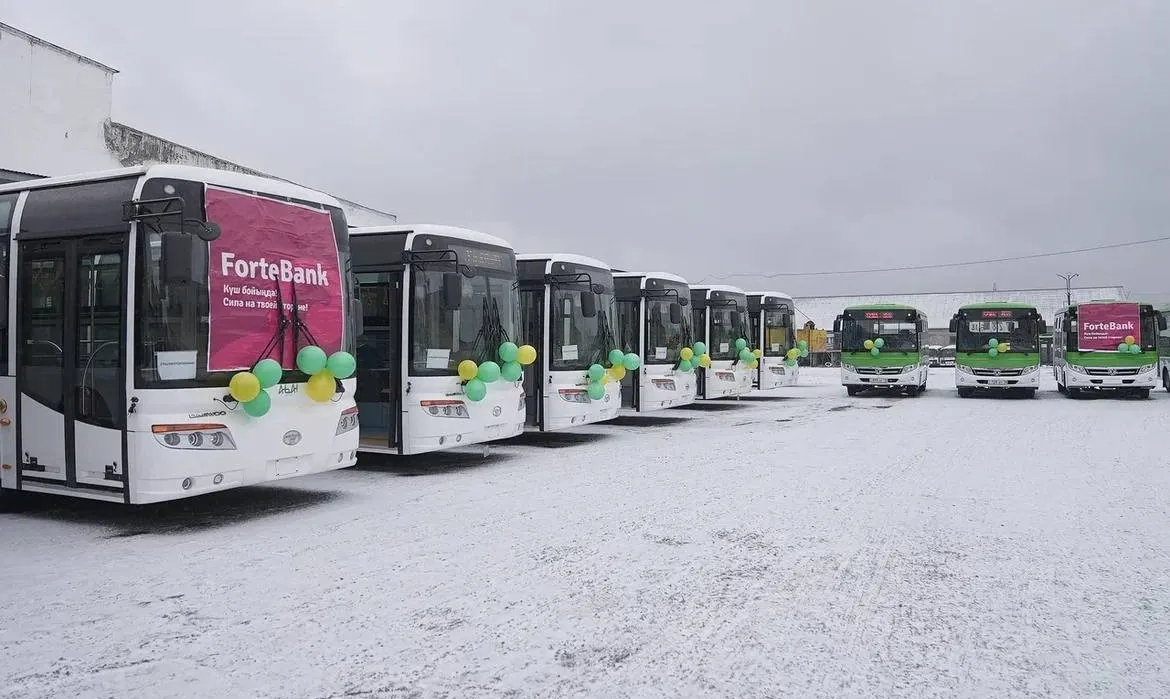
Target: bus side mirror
x: 735, y: 319
x: 1041, y: 327
x: 675, y: 313
x: 954, y: 326
x: 177, y: 257
x: 588, y: 304
x: 452, y: 291
x: 837, y: 324
x: 1161, y: 322
x: 358, y: 311
x: 921, y: 326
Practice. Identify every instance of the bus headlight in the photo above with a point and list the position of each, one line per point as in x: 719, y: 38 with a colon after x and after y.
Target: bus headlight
x: 1029, y: 369
x: 445, y: 408
x: 1075, y: 368
x: 348, y: 421
x: 203, y: 437
x: 847, y: 367
x: 910, y: 369
x: 964, y: 368
x: 1147, y: 367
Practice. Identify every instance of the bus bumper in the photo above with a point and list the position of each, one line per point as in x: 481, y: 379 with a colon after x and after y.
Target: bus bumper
x: 1092, y: 382
x: 966, y: 379
x: 914, y: 377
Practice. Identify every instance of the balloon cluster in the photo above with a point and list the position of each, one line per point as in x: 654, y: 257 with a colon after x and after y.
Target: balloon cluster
x: 1130, y: 345
x: 995, y: 347
x: 874, y: 346
x: 801, y: 350
x: 619, y: 363
x: 748, y: 357
x: 250, y: 388
x: 694, y: 357
x: 476, y: 377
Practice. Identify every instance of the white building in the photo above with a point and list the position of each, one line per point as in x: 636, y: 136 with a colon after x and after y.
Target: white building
x: 55, y: 120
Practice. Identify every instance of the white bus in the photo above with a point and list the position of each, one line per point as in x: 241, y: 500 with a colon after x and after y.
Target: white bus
x: 771, y: 327
x: 653, y: 322
x: 436, y: 354
x: 719, y: 320
x: 155, y: 323
x: 567, y: 312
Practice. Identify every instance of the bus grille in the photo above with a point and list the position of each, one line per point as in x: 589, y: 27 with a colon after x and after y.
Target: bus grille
x: 980, y: 371
x: 1112, y: 371
x: 879, y: 369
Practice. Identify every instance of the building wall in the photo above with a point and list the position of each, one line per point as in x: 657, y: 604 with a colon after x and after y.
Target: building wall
x: 53, y: 104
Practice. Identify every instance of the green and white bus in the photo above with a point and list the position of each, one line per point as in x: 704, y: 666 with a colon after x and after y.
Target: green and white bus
x: 1106, y: 346
x: 997, y: 348
x: 881, y: 347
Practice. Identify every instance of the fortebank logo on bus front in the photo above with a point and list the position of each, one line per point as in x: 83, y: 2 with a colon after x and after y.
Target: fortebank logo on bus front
x: 1111, y: 326
x: 283, y: 270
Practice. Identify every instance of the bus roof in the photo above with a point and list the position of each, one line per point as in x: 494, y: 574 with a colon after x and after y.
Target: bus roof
x: 777, y: 294
x: 223, y: 178
x: 564, y: 257
x: 995, y: 304
x: 718, y: 287
x: 653, y: 275
x: 434, y: 229
x: 881, y: 307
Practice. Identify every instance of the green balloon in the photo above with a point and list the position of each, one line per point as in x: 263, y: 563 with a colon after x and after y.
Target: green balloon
x: 616, y: 356
x: 596, y: 390
x: 511, y: 371
x: 259, y: 406
x: 632, y: 362
x: 790, y: 362
x: 488, y: 372
x: 745, y: 354
x: 596, y: 371
x: 508, y: 352
x: 684, y: 365
x: 993, y: 342
x: 804, y: 353
x: 803, y: 344
x: 1123, y: 347
x: 879, y: 343
x: 740, y: 343
x: 475, y: 390
x: 311, y: 359
x: 1135, y: 349
x: 875, y: 351
x: 699, y: 348
x: 268, y: 371
x: 993, y: 351
x: 341, y: 364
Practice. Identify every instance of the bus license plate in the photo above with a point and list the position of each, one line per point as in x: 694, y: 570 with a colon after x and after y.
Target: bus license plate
x: 998, y: 382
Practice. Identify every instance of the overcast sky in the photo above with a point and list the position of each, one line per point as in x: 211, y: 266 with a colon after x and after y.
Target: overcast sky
x: 694, y: 137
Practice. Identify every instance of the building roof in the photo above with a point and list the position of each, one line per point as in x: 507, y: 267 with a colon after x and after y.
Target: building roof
x: 939, y: 307
x: 59, y: 49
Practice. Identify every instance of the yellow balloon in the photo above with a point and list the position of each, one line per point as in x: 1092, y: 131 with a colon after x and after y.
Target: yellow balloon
x: 526, y: 354
x: 705, y: 361
x: 1129, y: 339
x: 244, y: 386
x: 321, y: 386
x: 753, y: 364
x: 793, y: 353
x: 686, y: 353
x: 467, y: 369
x: 618, y: 372
x: 868, y: 344
x: 757, y: 353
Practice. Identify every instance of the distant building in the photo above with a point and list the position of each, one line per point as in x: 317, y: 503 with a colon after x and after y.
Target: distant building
x: 939, y: 307
x: 55, y: 108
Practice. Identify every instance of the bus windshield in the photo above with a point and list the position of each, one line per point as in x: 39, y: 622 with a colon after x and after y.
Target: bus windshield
x: 578, y: 341
x: 1015, y: 327
x: 777, y: 332
x: 725, y: 331
x: 897, y: 335
x: 664, y: 339
x: 442, y: 336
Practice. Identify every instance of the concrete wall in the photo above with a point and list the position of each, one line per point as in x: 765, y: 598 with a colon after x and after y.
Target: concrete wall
x: 55, y: 120
x: 53, y: 104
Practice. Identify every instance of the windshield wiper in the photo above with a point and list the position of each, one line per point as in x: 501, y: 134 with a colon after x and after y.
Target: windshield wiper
x: 492, y: 332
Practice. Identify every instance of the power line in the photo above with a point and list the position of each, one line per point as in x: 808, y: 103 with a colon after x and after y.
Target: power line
x: 945, y: 265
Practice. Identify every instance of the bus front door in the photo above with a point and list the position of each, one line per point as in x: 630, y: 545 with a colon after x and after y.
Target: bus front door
x: 71, y: 364
x: 379, y: 360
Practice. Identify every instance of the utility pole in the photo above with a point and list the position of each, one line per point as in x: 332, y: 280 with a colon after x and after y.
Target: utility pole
x: 1068, y: 286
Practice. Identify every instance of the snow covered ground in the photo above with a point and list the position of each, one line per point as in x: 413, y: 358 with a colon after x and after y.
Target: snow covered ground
x: 808, y: 545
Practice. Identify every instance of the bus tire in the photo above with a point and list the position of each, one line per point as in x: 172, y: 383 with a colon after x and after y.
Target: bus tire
x: 1166, y: 379
x: 966, y: 391
x: 1072, y: 392
x: 913, y: 391
x: 10, y: 500
x: 853, y: 390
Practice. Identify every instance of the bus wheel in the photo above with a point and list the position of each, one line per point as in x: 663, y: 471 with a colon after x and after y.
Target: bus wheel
x: 966, y: 391
x: 1072, y: 392
x: 1166, y: 379
x: 1060, y: 388
x: 10, y: 500
x: 853, y: 390
x: 912, y: 391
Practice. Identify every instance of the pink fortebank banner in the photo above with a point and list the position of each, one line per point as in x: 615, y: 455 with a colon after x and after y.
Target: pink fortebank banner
x: 1104, y: 326
x: 264, y: 245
